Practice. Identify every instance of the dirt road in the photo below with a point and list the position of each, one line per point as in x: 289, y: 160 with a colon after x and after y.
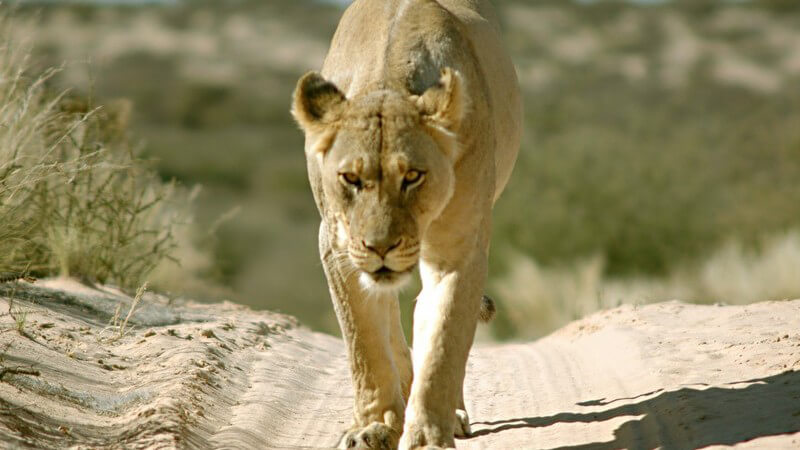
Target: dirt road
x: 184, y: 375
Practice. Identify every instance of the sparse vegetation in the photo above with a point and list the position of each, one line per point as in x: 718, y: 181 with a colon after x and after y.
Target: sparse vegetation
x: 75, y: 199
x: 538, y: 298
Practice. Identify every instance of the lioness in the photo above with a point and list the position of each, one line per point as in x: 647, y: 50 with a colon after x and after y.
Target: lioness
x: 412, y: 129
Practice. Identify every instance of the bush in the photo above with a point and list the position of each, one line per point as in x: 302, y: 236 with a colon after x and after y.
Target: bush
x: 74, y: 198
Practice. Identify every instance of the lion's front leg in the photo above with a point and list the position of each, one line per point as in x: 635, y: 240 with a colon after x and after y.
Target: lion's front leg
x: 369, y: 323
x: 445, y: 319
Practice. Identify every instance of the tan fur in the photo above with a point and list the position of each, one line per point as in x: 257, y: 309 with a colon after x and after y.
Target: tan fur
x: 414, y: 90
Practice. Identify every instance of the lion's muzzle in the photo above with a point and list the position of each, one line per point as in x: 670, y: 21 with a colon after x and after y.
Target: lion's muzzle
x: 384, y: 263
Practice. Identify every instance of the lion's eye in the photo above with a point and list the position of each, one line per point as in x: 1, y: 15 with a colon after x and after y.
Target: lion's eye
x: 412, y: 177
x: 351, y: 178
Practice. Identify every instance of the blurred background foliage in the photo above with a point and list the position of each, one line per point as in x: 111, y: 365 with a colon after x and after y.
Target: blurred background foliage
x: 660, y: 158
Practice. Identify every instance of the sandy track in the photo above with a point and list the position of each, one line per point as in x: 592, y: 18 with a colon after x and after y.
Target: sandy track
x: 669, y: 375
x: 221, y: 376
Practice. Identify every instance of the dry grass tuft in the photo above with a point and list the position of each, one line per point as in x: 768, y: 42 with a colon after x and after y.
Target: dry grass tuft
x: 119, y: 326
x: 74, y: 198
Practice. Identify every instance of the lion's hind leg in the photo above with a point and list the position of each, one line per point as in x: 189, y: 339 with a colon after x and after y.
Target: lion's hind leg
x: 462, y: 428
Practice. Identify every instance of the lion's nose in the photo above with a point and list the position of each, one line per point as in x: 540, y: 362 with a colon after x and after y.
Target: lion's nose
x: 381, y: 248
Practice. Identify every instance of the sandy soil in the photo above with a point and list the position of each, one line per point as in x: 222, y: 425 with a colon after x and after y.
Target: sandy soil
x: 186, y: 375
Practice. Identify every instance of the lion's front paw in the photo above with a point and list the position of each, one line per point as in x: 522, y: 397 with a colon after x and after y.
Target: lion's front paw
x: 432, y: 437
x: 425, y: 436
x: 462, y: 428
x: 374, y: 436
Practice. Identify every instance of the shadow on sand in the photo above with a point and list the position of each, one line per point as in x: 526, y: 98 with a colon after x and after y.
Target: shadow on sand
x: 688, y: 417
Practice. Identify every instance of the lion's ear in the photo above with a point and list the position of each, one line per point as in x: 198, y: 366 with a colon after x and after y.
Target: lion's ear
x: 443, y: 105
x: 316, y: 102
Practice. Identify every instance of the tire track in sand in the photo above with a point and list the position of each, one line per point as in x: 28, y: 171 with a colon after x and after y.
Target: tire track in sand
x: 297, y: 395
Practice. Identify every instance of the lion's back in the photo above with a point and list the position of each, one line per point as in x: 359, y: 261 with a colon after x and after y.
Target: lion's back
x: 483, y: 30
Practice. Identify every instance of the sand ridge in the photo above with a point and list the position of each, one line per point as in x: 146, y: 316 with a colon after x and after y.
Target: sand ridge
x: 189, y: 375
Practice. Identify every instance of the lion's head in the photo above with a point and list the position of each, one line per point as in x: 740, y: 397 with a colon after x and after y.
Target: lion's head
x: 386, y: 164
